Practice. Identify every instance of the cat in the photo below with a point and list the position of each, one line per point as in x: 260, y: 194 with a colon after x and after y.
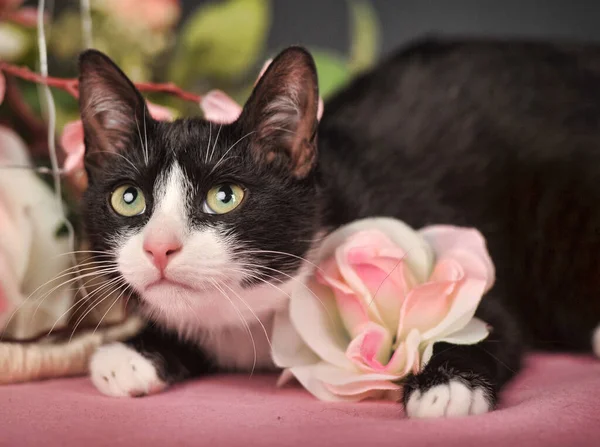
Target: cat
x: 198, y: 219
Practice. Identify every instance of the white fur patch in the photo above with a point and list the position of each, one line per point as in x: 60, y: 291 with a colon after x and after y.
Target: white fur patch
x: 453, y: 399
x: 596, y: 342
x: 119, y: 371
x: 202, y: 299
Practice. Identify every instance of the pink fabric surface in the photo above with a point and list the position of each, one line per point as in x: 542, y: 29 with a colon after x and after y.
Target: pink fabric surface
x: 555, y: 402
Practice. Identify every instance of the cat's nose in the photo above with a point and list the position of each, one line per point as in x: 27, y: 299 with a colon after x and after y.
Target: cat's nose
x: 161, y: 251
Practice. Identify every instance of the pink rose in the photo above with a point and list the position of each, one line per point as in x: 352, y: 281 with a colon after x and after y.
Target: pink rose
x: 219, y: 108
x: 156, y: 15
x: 71, y: 139
x: 381, y: 297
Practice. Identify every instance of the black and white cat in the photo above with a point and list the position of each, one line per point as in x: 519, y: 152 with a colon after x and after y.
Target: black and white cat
x: 198, y: 219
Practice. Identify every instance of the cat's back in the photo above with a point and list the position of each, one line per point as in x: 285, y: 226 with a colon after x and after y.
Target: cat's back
x: 461, y: 115
x: 433, y: 82
x: 501, y: 136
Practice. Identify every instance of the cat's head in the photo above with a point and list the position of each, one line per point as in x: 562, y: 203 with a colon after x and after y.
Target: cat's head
x: 195, y: 217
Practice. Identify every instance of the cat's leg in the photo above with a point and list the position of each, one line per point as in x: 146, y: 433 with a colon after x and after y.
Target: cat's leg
x: 146, y: 364
x: 465, y: 380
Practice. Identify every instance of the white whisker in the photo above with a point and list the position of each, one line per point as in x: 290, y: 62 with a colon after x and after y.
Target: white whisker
x: 244, y: 322
x: 212, y: 152
x: 228, y: 150
x: 209, y: 140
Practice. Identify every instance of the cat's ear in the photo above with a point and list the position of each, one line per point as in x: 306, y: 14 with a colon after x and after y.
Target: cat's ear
x: 112, y: 109
x: 282, y: 112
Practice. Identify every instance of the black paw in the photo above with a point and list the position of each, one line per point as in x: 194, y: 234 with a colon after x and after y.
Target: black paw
x: 443, y: 391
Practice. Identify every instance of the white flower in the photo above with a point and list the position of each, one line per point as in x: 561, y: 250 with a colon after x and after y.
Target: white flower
x: 381, y: 297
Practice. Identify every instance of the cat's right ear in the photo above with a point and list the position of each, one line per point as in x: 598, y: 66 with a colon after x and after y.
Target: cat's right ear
x: 112, y: 110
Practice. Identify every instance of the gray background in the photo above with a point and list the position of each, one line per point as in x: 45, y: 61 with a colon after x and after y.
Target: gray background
x: 325, y: 22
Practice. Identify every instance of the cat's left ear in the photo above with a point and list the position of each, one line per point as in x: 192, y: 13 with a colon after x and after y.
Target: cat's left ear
x: 112, y: 109
x: 282, y: 112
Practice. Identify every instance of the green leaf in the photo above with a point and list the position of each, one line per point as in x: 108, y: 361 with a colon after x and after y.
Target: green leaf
x: 333, y: 71
x: 221, y: 40
x: 366, y: 36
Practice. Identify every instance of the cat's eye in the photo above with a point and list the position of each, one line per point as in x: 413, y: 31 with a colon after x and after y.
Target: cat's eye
x: 223, y: 199
x: 128, y: 201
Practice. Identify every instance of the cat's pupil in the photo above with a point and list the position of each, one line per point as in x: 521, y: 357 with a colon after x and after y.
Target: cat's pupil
x: 225, y: 194
x: 130, y: 195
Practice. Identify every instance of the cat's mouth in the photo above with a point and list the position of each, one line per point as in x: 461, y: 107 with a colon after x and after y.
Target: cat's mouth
x: 166, y: 282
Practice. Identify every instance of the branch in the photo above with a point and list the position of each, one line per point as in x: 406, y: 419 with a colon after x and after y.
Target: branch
x: 71, y: 85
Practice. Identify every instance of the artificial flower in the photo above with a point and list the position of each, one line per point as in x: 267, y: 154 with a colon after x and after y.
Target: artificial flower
x: 381, y: 295
x: 156, y: 15
x: 31, y: 254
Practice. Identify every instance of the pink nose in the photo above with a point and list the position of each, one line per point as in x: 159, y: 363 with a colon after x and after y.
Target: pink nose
x: 161, y: 251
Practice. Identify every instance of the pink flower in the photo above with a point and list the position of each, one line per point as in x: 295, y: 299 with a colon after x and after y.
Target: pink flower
x: 219, y: 108
x: 381, y: 297
x: 156, y: 15
x: 10, y: 4
x: 12, y: 10
x: 71, y: 139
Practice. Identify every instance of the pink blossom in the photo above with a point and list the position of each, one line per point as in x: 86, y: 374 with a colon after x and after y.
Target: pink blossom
x: 381, y: 297
x: 72, y: 143
x: 156, y: 15
x: 10, y: 4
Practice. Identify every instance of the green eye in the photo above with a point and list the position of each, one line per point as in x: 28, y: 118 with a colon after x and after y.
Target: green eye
x: 128, y: 201
x: 222, y: 199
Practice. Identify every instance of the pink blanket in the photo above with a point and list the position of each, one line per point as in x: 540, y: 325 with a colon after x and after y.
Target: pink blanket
x: 555, y: 402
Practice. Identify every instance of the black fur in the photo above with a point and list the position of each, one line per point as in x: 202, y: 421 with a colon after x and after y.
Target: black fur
x: 500, y: 136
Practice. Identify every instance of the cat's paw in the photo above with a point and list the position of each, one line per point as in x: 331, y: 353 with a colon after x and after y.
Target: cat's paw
x: 120, y: 371
x: 445, y: 393
x: 596, y: 341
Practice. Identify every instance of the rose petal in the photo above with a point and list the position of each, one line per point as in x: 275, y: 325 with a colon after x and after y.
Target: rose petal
x: 388, y: 286
x: 419, y: 256
x: 466, y: 298
x: 352, y: 309
x: 406, y: 356
x: 360, y: 248
x: 304, y: 375
x: 219, y: 108
x: 287, y: 348
x: 474, y: 332
x: 159, y: 112
x: 426, y: 305
x: 321, y: 379
x: 314, y: 316
x: 445, y: 238
x: 25, y: 16
x: 370, y: 350
x: 367, y: 389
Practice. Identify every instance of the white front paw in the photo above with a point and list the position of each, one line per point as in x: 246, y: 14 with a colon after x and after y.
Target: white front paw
x: 119, y: 371
x: 451, y: 399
